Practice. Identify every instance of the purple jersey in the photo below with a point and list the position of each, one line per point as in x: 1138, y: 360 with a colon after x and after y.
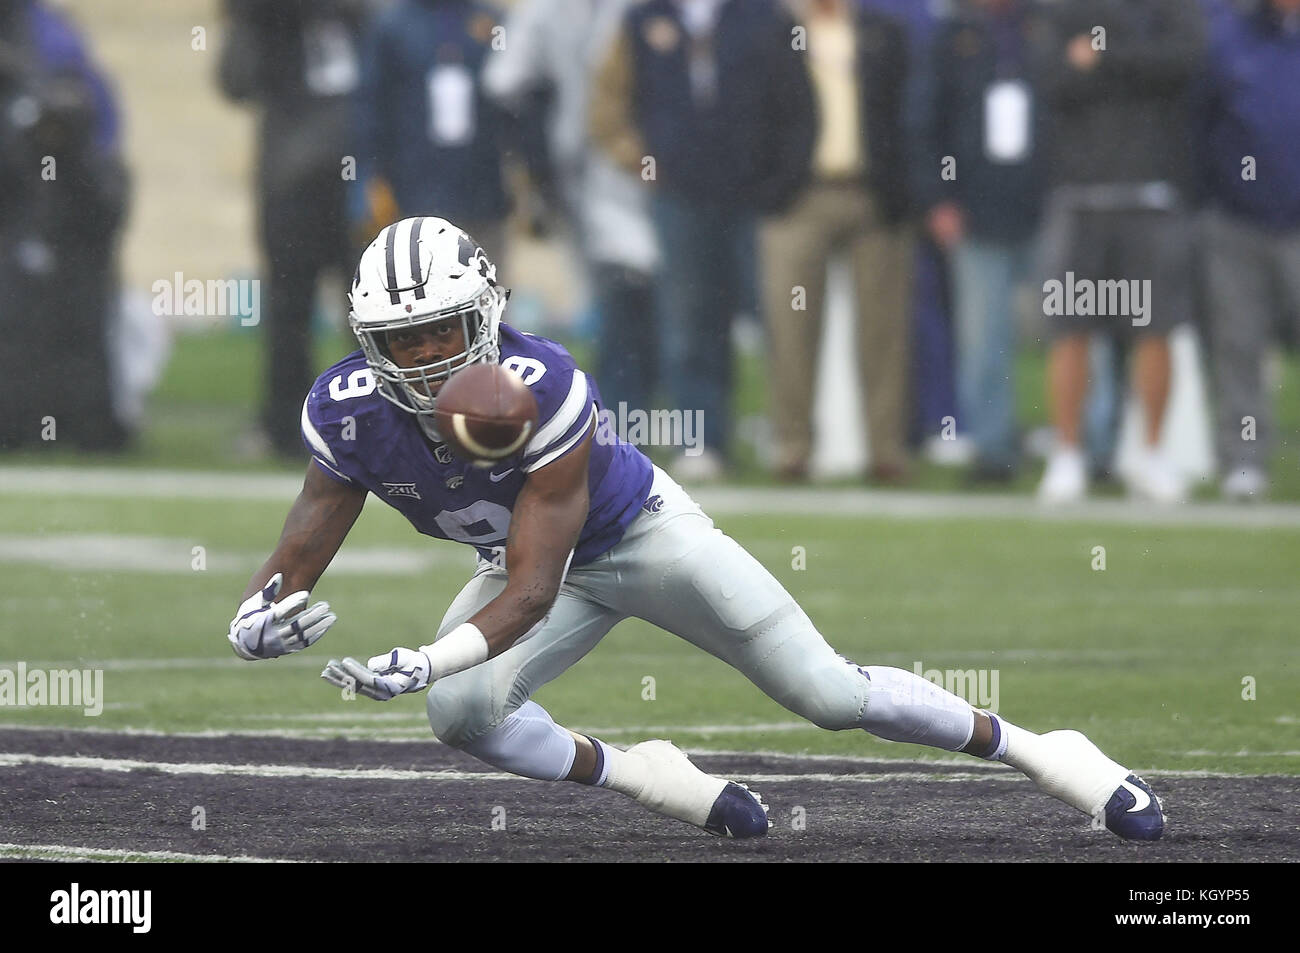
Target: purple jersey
x: 360, y: 439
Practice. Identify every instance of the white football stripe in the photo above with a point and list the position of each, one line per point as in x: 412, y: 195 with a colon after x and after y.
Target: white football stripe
x: 458, y: 424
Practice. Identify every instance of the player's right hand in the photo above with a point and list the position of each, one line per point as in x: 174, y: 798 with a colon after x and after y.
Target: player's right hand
x: 384, y: 677
x: 263, y: 628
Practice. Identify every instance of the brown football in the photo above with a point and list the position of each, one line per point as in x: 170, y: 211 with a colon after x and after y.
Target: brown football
x: 485, y: 413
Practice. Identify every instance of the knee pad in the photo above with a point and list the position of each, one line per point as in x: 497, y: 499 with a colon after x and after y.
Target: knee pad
x: 903, y: 706
x: 528, y: 743
x: 460, y: 708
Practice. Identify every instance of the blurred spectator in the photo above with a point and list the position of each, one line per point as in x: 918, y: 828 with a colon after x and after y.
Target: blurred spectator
x: 297, y: 60
x: 1252, y: 234
x: 854, y: 205
x: 709, y: 102
x: 933, y: 389
x: 425, y: 127
x: 60, y: 217
x: 1115, y: 76
x: 979, y: 107
x: 555, y: 45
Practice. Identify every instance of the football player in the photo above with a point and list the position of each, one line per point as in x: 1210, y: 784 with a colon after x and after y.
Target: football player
x: 576, y: 533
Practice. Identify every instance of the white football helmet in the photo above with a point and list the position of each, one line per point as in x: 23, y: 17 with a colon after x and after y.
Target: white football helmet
x: 419, y: 271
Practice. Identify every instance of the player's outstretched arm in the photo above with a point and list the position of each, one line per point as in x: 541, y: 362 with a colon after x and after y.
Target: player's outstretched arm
x: 548, y: 517
x: 267, y: 626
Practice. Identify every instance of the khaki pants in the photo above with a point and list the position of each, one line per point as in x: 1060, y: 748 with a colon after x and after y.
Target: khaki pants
x: 796, y: 248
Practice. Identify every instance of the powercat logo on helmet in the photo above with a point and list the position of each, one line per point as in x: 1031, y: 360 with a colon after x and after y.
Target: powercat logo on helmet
x: 471, y: 255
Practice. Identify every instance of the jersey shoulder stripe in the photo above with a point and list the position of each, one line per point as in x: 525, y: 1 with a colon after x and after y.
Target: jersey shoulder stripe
x: 342, y: 399
x: 571, y: 409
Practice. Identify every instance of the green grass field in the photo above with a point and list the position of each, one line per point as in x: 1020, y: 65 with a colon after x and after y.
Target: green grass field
x: 1148, y: 656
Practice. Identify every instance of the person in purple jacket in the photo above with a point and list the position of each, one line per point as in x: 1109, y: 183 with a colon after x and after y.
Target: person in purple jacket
x: 1250, y: 123
x: 576, y: 533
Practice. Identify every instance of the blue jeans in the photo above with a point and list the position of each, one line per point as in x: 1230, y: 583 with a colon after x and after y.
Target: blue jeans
x: 707, y: 258
x: 933, y: 383
x: 986, y: 275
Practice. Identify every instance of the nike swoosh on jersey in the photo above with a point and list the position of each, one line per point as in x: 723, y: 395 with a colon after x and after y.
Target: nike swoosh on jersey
x: 498, y: 477
x: 1141, y: 797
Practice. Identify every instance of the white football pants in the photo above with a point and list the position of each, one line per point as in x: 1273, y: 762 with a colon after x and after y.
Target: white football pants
x: 675, y: 570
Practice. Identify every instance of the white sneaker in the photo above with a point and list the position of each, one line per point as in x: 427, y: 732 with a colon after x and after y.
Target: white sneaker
x: 957, y: 452
x: 1066, y: 478
x: 704, y: 467
x: 663, y: 779
x: 1154, y: 478
x: 1245, y: 483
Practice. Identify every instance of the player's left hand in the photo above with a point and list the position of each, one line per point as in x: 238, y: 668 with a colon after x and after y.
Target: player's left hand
x: 384, y: 676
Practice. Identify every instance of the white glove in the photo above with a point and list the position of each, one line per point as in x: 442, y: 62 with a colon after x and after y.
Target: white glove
x: 384, y: 676
x: 265, y: 629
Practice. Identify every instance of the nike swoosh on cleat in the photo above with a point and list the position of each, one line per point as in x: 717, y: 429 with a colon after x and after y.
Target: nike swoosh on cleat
x: 1142, y: 799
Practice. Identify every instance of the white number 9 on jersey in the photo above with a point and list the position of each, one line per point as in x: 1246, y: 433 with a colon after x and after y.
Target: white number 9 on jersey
x: 360, y: 383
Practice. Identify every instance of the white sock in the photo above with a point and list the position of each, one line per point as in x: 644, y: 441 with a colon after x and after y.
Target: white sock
x: 1064, y: 764
x: 605, y: 755
x: 623, y: 774
x: 1018, y: 747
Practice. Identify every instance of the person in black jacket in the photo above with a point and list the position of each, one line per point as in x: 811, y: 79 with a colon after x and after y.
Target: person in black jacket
x: 854, y: 205
x: 1116, y: 76
x: 979, y: 179
x: 60, y: 217
x: 709, y: 102
x: 297, y: 60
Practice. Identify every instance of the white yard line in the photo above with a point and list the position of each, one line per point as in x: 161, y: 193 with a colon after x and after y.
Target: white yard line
x: 131, y: 553
x: 976, y: 771
x: 936, y: 660
x: 388, y: 735
x: 68, y: 853
x: 156, y: 664
x: 76, y: 762
x: 109, y: 482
